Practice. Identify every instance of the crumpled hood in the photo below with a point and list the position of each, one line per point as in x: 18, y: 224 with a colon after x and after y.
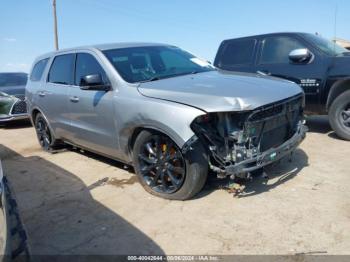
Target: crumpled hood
x: 219, y: 91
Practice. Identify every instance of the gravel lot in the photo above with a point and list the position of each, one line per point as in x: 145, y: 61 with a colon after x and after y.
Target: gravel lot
x: 79, y: 203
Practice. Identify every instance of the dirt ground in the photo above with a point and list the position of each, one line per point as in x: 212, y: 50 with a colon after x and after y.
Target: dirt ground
x: 79, y: 203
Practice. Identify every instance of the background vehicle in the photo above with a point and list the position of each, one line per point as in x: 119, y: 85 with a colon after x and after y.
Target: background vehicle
x: 165, y: 111
x: 319, y: 66
x: 12, y: 96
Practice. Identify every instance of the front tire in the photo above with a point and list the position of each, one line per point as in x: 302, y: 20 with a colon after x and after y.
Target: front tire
x: 164, y: 171
x: 339, y: 115
x: 46, y: 139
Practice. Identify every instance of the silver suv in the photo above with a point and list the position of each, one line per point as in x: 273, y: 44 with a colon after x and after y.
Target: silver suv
x: 168, y: 113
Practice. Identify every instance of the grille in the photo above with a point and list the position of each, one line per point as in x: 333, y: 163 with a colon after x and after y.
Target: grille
x: 266, y: 113
x: 274, y: 138
x: 276, y: 109
x: 20, y: 107
x: 271, y: 126
x: 21, y: 97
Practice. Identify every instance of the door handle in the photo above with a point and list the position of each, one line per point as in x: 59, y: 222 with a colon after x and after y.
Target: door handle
x: 41, y: 93
x: 74, y: 99
x: 264, y: 73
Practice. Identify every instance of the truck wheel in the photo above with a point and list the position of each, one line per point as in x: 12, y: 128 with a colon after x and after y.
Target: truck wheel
x: 339, y: 115
x: 164, y: 171
x: 44, y: 134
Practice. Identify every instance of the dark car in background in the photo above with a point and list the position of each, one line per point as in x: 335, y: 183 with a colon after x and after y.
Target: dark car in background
x: 319, y: 66
x: 12, y: 97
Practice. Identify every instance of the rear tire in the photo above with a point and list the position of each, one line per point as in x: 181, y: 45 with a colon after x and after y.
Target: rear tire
x: 45, y: 136
x: 339, y: 115
x: 155, y: 154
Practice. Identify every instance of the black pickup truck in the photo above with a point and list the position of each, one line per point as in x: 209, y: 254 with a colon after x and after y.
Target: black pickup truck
x: 319, y: 66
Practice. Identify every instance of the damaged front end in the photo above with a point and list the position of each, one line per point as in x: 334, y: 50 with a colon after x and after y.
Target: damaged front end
x: 239, y: 143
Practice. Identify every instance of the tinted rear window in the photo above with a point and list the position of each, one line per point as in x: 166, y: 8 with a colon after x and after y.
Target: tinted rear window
x: 236, y: 52
x: 38, y: 70
x: 61, y: 71
x: 13, y: 79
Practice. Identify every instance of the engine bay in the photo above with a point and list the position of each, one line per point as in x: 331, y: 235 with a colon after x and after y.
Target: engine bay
x: 233, y: 138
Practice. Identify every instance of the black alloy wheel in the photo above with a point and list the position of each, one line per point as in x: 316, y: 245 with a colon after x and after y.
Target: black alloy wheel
x: 164, y: 170
x: 161, y: 164
x: 339, y: 115
x: 46, y: 139
x: 43, y: 133
x: 345, y: 116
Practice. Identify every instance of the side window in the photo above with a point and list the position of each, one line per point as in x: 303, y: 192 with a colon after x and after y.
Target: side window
x: 38, y: 70
x: 238, y: 52
x: 86, y: 64
x: 276, y: 49
x: 61, y: 71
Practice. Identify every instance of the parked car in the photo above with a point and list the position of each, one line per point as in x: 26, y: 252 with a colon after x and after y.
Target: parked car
x: 12, y: 97
x: 168, y: 113
x: 319, y: 66
x: 13, y: 237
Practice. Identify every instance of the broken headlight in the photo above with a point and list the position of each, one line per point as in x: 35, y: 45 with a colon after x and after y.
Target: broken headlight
x: 6, y: 103
x: 223, y: 135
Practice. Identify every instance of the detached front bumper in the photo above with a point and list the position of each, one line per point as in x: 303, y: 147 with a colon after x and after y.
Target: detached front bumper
x: 270, y: 156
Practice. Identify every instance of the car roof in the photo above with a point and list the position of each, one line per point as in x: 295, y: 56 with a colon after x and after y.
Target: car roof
x: 269, y: 34
x: 101, y: 47
x: 126, y: 45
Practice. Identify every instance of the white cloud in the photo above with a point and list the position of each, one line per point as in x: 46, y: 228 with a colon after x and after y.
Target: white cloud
x: 10, y: 39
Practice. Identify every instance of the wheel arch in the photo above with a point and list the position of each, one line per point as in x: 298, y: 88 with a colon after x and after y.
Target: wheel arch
x: 35, y: 111
x: 337, y: 88
x: 178, y: 140
x: 33, y: 114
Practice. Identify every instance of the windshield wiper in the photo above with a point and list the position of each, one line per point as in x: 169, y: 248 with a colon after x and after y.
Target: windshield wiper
x: 186, y: 73
x: 155, y: 78
x: 60, y: 83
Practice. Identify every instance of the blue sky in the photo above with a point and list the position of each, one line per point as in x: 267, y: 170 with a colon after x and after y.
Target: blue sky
x: 26, y: 27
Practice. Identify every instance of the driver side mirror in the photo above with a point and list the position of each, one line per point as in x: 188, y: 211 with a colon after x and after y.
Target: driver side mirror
x: 93, y: 82
x: 300, y: 56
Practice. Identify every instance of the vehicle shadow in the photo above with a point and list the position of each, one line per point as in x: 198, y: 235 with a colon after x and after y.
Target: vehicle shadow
x: 61, y: 216
x: 284, y: 171
x: 278, y: 174
x: 320, y: 124
x: 16, y: 124
x: 100, y: 158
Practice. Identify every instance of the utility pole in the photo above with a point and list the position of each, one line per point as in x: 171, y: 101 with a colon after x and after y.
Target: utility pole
x: 55, y: 23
